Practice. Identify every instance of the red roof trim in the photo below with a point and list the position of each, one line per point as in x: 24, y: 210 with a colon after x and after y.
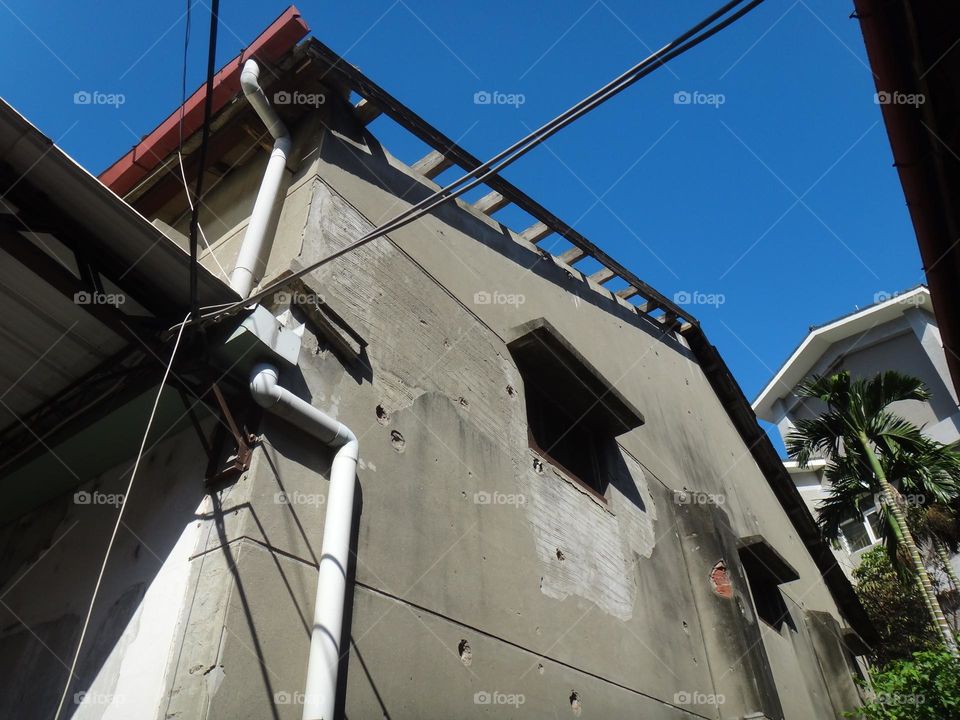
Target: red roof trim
x: 272, y: 44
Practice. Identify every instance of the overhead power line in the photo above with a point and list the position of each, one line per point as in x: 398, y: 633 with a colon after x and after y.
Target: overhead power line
x: 204, y: 141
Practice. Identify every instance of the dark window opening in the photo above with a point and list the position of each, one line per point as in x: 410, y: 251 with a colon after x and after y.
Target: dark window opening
x: 766, y: 570
x: 566, y: 440
x: 574, y: 414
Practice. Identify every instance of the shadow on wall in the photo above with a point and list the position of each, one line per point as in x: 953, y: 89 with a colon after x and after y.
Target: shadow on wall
x: 621, y: 479
x: 51, y: 561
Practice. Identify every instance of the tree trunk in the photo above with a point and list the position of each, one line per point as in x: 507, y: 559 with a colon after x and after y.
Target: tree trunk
x: 905, y: 539
x: 948, y: 566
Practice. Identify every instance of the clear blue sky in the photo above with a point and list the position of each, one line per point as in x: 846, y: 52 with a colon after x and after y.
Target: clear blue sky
x: 782, y: 199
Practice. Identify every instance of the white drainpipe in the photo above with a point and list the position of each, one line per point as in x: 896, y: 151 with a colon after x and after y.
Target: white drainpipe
x: 243, y: 277
x: 321, y: 688
x: 320, y: 693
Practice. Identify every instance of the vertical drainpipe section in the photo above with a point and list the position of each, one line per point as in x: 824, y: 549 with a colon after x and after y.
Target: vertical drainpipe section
x: 243, y: 277
x: 321, y: 687
x: 321, y: 684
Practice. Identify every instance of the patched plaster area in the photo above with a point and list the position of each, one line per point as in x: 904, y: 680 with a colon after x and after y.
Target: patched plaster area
x: 589, y: 550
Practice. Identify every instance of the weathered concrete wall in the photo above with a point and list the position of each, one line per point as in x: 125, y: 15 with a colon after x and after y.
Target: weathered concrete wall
x: 485, y: 581
x: 482, y: 574
x: 687, y: 442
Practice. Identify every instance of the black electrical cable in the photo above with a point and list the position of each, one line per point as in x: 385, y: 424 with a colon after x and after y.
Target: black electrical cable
x: 491, y: 167
x: 183, y: 75
x: 204, y: 141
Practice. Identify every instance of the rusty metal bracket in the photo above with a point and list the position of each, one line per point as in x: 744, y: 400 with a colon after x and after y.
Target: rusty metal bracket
x: 239, y: 461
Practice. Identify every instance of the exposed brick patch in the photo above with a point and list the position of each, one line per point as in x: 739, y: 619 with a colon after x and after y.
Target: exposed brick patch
x: 720, y: 579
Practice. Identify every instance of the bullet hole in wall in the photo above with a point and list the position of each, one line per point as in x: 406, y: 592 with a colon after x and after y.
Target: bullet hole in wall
x: 466, y: 654
x: 540, y: 668
x: 538, y: 465
x: 463, y: 401
x: 396, y: 439
x: 560, y: 555
x: 383, y: 417
x: 575, y: 703
x: 510, y: 391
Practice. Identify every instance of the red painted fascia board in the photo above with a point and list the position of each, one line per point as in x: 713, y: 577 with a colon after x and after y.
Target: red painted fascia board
x: 271, y: 45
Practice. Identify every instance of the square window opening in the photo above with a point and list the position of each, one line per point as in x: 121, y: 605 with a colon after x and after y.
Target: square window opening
x: 566, y: 441
x: 574, y: 414
x: 766, y: 571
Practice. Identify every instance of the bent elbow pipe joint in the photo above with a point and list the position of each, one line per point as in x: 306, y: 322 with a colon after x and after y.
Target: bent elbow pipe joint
x: 323, y: 664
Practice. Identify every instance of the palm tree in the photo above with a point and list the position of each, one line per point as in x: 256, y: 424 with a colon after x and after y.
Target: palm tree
x: 868, y: 449
x: 936, y: 525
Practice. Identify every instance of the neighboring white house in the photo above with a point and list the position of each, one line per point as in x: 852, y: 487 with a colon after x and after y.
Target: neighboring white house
x: 898, y: 332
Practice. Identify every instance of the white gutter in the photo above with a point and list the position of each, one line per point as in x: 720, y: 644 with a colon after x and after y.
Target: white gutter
x: 243, y: 277
x: 320, y: 692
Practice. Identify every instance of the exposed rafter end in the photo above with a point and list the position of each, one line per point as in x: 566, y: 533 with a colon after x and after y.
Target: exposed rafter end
x: 536, y: 232
x: 571, y: 256
x: 602, y: 275
x: 432, y: 164
x: 490, y: 203
x: 367, y: 111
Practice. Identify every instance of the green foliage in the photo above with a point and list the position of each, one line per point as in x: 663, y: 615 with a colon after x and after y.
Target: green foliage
x: 925, y: 687
x: 856, y: 414
x: 895, y: 607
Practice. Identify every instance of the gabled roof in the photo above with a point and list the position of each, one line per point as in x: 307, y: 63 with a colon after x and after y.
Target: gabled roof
x: 820, y: 338
x: 274, y: 42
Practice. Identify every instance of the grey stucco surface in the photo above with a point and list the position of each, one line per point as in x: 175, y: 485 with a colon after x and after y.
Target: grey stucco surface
x: 463, y: 534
